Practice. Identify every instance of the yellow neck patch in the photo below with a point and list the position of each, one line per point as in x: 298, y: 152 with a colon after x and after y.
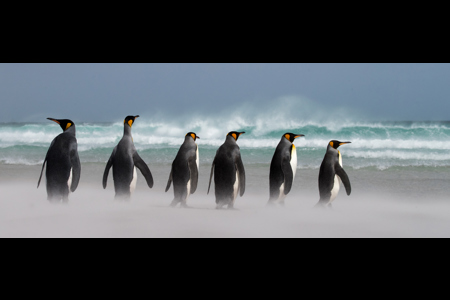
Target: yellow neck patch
x: 68, y: 125
x: 130, y: 123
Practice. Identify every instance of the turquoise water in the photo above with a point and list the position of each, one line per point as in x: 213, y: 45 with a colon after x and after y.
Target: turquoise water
x: 377, y: 145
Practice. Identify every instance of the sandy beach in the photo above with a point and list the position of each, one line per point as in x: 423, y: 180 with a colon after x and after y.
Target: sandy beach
x: 373, y: 210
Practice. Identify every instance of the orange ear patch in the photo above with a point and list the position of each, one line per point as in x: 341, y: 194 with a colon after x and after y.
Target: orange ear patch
x: 193, y: 136
x: 68, y: 125
x: 130, y: 123
x: 235, y: 136
x: 332, y: 144
x: 288, y: 136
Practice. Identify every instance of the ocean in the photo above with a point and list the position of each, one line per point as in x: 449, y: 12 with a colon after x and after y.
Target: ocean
x: 377, y: 146
x: 403, y: 165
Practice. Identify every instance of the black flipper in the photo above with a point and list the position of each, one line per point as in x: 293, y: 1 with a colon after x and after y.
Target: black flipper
x: 45, y: 161
x: 76, y: 170
x: 194, y: 175
x: 142, y: 166
x: 169, y: 182
x: 42, y: 171
x: 288, y: 174
x: 344, y: 177
x: 108, y: 166
x: 241, y: 173
x: 210, y: 177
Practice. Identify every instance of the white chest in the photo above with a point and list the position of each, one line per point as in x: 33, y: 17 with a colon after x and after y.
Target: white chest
x: 337, y: 182
x: 236, y: 186
x: 198, y: 161
x: 293, y: 162
x: 69, y: 182
x: 188, y: 189
x: 133, y: 181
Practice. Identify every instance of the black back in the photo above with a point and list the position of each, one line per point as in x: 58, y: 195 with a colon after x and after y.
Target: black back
x: 328, y: 169
x: 123, y: 160
x: 62, y: 158
x: 280, y: 169
x: 184, y: 168
x: 226, y: 162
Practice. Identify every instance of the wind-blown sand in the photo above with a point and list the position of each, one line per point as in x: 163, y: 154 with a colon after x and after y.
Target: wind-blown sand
x: 93, y: 213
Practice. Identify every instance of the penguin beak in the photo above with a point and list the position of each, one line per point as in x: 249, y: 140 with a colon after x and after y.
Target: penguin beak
x: 54, y: 120
x: 136, y: 117
x: 241, y: 133
x: 197, y: 136
x: 343, y: 143
x: 299, y: 135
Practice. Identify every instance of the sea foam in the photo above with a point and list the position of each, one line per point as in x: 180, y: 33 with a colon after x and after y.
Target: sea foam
x: 373, y: 144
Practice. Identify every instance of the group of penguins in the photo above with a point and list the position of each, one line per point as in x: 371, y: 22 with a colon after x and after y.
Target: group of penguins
x: 64, y: 168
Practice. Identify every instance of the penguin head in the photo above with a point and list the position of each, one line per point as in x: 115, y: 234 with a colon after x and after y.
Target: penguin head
x: 65, y: 124
x: 235, y: 134
x: 193, y: 135
x: 335, y: 144
x: 130, y: 120
x: 292, y: 136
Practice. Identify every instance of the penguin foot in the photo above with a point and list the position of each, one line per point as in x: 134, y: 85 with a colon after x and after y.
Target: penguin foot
x: 275, y: 204
x: 270, y: 203
x: 122, y: 197
x: 320, y: 205
x: 231, y: 207
x: 220, y: 206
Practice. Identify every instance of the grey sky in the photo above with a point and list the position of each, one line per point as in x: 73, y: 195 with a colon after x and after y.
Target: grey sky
x: 109, y: 92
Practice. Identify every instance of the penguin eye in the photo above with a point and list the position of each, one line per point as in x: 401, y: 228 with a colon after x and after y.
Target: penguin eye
x: 68, y: 125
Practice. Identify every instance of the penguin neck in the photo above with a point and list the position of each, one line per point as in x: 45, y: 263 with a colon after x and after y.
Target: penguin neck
x: 126, y: 130
x: 71, y: 130
x: 189, y: 139
x: 286, y: 141
x: 231, y: 139
x: 332, y: 150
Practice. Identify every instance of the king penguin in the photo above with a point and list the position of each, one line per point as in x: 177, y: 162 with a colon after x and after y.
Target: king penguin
x: 283, y: 168
x: 184, y: 172
x: 124, y: 160
x: 331, y: 175
x: 229, y: 173
x: 63, y: 163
